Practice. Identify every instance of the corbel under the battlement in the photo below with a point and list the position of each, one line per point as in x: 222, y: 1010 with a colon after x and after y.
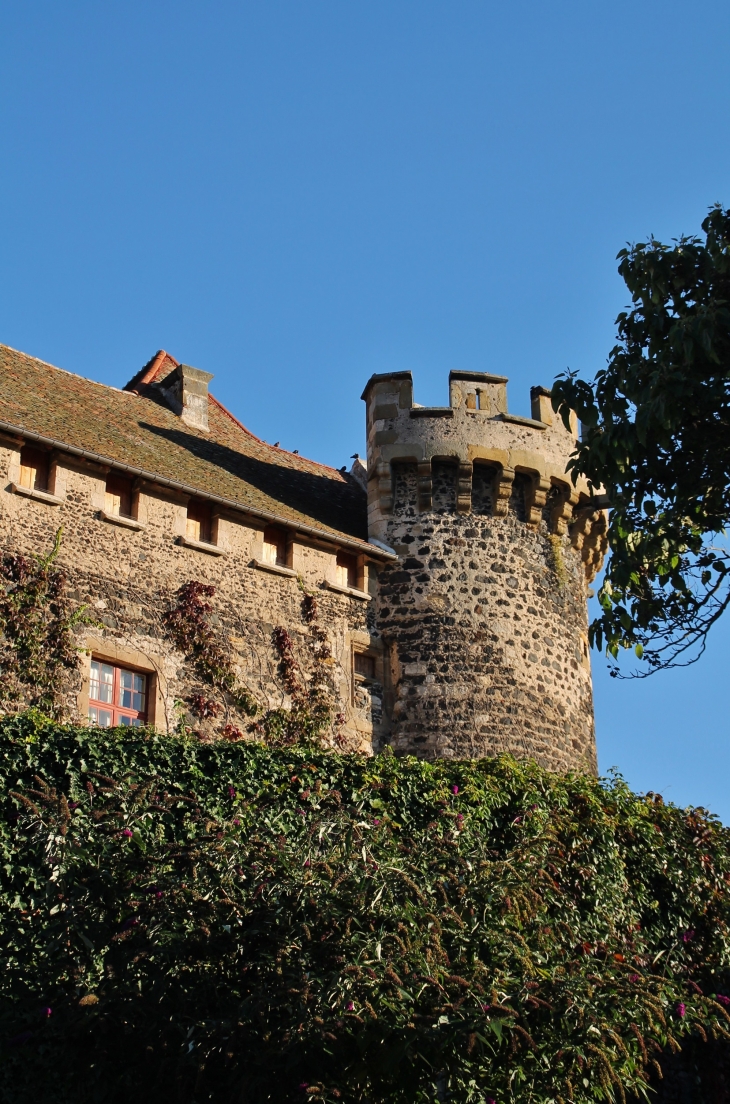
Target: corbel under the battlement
x: 504, y: 479
x: 536, y: 495
x: 463, y: 487
x: 589, y: 536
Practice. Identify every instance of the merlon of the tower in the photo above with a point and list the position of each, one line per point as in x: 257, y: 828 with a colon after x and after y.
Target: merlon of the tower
x: 476, y: 429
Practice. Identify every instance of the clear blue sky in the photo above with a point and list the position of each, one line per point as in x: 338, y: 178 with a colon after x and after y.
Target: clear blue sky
x: 294, y: 195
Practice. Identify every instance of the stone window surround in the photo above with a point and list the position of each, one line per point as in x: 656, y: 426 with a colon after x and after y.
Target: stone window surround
x: 108, y: 651
x: 364, y: 644
x: 121, y: 519
x: 275, y: 569
x: 39, y: 496
x: 350, y: 592
x: 201, y: 546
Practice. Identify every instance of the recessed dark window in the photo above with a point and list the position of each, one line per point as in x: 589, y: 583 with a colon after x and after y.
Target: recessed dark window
x: 275, y: 546
x: 118, y: 496
x: 346, y: 570
x: 364, y: 665
x: 198, y: 526
x: 33, y: 468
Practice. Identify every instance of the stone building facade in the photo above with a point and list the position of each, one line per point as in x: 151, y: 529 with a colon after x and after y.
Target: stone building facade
x: 449, y: 575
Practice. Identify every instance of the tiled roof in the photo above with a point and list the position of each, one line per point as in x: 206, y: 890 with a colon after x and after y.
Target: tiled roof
x: 134, y: 427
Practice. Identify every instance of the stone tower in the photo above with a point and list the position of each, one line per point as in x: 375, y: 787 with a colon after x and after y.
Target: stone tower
x: 484, y: 617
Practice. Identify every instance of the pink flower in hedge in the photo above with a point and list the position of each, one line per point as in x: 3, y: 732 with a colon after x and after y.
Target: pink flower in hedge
x: 350, y: 1006
x: 681, y: 1010
x: 236, y: 821
x: 687, y: 936
x: 376, y: 822
x: 127, y: 833
x: 159, y: 894
x: 307, y: 862
x: 491, y: 1100
x: 454, y: 789
x: 633, y: 978
x: 485, y: 1008
x: 231, y: 791
x: 46, y: 1011
x: 723, y: 1000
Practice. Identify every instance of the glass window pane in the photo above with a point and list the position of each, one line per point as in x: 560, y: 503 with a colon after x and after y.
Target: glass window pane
x: 105, y: 718
x: 107, y: 683
x: 93, y: 714
x: 131, y: 690
x: 124, y: 720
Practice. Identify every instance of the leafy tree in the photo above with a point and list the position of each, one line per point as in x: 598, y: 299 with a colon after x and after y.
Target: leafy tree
x: 656, y: 444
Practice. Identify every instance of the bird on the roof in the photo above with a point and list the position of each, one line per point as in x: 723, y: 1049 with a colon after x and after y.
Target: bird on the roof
x: 296, y: 452
x: 276, y: 444
x: 355, y: 456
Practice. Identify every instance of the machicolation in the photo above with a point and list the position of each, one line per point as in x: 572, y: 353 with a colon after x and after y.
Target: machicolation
x: 484, y: 617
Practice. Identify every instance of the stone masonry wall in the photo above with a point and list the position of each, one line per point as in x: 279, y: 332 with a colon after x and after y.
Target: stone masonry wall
x: 484, y: 619
x: 486, y: 624
x: 127, y: 579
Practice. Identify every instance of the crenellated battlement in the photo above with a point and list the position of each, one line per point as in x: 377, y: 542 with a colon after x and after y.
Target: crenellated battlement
x: 476, y: 428
x: 484, y: 616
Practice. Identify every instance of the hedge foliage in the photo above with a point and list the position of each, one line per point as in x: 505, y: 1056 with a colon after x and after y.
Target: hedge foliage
x: 190, y: 922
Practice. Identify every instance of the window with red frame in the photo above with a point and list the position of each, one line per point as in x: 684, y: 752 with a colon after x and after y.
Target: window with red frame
x: 117, y: 696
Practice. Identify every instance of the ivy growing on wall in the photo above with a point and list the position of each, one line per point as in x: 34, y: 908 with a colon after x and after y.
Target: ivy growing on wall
x: 188, y: 626
x: 310, y: 712
x: 37, y: 621
x: 309, y: 718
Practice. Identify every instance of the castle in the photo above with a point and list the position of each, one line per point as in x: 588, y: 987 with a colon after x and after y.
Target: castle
x: 451, y: 571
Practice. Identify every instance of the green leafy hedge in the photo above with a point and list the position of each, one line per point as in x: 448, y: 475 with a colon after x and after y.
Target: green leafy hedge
x: 187, y: 922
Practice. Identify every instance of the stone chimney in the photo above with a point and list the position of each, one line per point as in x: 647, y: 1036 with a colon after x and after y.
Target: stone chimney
x: 186, y: 391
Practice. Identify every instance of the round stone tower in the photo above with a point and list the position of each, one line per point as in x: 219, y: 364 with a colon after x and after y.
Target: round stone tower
x: 483, y: 618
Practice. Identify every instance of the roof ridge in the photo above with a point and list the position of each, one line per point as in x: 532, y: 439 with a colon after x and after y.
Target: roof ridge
x: 261, y: 441
x: 234, y: 419
x: 149, y: 371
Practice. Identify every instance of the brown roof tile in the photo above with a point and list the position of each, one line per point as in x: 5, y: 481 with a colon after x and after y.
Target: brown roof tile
x: 134, y: 427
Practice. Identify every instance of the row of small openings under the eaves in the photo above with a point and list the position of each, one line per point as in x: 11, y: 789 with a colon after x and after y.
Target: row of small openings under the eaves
x: 200, y: 526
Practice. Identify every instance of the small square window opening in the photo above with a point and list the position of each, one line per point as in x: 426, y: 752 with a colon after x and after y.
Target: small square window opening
x: 118, y: 496
x: 346, y: 570
x: 198, y: 525
x: 275, y: 547
x: 33, y: 469
x: 364, y: 665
